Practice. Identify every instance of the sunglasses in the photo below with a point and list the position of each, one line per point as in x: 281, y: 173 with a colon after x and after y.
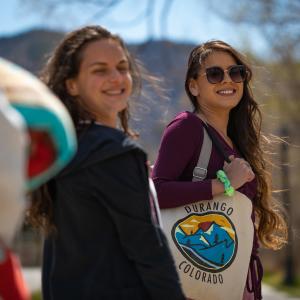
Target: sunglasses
x: 237, y: 73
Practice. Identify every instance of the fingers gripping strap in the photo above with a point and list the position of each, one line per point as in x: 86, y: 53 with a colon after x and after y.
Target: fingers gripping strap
x: 200, y: 170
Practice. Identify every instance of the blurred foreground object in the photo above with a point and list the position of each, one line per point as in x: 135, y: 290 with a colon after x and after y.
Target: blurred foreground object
x: 12, y: 169
x: 38, y: 140
x: 12, y: 204
x: 49, y: 125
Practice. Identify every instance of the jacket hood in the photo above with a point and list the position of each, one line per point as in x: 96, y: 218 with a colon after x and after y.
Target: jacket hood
x: 98, y: 143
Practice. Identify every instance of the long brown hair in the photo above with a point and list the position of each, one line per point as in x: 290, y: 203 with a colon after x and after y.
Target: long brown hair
x: 64, y: 64
x: 244, y: 128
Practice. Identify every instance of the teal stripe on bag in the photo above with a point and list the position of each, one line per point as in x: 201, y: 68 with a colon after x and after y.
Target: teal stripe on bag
x: 61, y: 132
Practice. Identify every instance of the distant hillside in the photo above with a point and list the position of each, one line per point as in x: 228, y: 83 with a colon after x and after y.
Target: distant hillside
x: 162, y: 58
x: 168, y: 61
x: 29, y: 49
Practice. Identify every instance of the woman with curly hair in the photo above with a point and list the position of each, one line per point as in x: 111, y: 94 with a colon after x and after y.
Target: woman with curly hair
x: 102, y: 240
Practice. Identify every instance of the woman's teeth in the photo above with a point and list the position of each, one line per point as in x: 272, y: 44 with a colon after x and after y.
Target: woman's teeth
x: 114, y: 92
x: 226, y: 92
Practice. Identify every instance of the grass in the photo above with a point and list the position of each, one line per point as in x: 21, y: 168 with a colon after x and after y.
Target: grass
x: 276, y: 281
x: 36, y: 296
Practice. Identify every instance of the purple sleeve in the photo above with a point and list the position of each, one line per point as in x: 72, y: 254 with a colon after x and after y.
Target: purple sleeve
x: 180, y: 147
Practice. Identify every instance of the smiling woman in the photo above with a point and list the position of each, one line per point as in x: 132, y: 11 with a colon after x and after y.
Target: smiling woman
x: 103, y: 241
x: 104, y: 82
x: 219, y: 92
x: 191, y: 173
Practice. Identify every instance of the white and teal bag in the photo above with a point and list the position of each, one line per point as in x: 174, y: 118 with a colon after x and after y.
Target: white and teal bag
x: 211, y: 240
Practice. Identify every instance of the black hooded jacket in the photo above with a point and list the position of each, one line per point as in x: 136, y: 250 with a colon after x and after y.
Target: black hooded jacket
x: 106, y: 245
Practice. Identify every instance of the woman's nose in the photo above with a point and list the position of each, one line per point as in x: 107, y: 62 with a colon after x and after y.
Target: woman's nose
x: 115, y: 75
x: 227, y: 77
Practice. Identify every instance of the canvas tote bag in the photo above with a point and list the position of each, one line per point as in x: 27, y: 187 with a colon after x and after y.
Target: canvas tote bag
x: 211, y: 240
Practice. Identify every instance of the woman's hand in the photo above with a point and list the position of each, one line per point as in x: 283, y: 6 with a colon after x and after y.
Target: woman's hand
x: 238, y: 171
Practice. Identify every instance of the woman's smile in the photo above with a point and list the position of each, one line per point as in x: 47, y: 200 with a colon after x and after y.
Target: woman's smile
x: 114, y: 92
x: 226, y: 92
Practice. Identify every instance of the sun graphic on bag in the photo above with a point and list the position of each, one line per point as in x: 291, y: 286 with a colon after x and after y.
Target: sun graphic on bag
x: 208, y: 240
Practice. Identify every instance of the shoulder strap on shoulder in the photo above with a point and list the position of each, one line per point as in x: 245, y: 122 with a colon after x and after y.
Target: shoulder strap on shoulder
x: 209, y: 138
x: 200, y: 171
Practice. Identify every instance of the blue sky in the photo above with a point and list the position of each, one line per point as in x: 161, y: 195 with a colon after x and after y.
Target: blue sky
x: 189, y: 21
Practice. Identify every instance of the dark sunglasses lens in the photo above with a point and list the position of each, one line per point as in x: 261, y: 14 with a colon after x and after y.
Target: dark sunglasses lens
x: 214, y: 74
x: 238, y: 73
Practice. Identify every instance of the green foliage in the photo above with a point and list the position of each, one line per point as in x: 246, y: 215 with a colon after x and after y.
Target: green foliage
x: 276, y: 280
x: 36, y: 296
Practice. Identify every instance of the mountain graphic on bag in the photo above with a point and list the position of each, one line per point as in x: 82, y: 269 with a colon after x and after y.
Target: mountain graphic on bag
x: 210, y: 240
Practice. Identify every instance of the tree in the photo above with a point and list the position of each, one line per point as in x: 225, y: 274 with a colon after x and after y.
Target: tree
x: 278, y: 20
x: 102, y: 8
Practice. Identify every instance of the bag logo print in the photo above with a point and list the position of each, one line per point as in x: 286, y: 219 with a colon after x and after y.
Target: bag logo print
x: 207, y: 240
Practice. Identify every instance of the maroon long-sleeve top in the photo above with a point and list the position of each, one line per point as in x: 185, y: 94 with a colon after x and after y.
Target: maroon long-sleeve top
x: 178, y: 156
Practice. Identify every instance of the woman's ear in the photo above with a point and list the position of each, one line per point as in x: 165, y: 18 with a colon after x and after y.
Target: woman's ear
x: 72, y: 87
x: 193, y: 87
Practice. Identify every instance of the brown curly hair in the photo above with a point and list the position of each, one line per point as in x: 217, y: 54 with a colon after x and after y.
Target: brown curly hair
x: 64, y: 64
x: 244, y: 128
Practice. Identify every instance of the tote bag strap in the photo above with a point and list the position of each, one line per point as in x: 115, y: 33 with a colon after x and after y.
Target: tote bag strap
x: 200, y: 171
x: 209, y: 137
x: 216, y: 142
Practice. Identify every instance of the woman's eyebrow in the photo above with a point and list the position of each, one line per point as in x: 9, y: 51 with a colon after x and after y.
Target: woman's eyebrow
x: 123, y: 61
x: 99, y: 63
